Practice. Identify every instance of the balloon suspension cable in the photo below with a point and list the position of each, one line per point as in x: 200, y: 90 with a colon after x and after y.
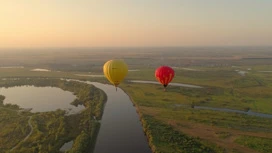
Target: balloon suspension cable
x: 115, y: 87
x: 164, y: 87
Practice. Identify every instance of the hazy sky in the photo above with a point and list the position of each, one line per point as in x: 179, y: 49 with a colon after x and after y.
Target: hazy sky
x: 92, y: 23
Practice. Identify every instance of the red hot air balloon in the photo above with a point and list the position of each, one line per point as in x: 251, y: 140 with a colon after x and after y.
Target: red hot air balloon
x: 164, y: 75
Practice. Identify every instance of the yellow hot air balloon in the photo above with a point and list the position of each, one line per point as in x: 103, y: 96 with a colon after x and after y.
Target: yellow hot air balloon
x: 115, y: 71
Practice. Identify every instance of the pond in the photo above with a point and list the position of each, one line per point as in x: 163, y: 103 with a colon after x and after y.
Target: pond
x: 40, y: 99
x: 242, y: 73
x: 41, y: 70
x: 67, y: 146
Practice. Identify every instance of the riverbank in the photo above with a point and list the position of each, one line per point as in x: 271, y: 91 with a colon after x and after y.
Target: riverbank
x: 223, y: 88
x: 211, y: 129
x: 143, y: 123
x: 120, y: 130
x: 154, y: 130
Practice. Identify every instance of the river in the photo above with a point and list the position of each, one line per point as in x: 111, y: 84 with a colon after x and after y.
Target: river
x: 121, y: 130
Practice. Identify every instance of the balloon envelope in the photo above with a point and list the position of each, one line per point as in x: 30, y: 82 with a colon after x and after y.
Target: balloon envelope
x: 115, y: 71
x: 164, y: 75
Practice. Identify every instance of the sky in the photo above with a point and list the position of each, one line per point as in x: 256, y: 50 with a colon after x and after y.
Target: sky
x: 132, y: 23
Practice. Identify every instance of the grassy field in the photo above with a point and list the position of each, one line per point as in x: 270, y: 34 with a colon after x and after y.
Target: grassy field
x: 222, y: 88
x: 261, y: 144
x: 210, y: 130
x: 234, y: 79
x: 13, y: 128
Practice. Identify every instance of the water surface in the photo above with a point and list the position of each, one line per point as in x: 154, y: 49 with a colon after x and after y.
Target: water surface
x: 67, y: 146
x: 249, y: 112
x: 90, y: 75
x: 171, y: 84
x: 266, y: 71
x: 41, y: 70
x: 121, y: 130
x: 236, y: 111
x: 40, y: 99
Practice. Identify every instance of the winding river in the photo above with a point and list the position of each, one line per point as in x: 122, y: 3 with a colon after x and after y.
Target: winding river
x: 121, y: 130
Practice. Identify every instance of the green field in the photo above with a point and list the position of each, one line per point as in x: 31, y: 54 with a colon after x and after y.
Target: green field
x: 222, y: 88
x: 169, y: 119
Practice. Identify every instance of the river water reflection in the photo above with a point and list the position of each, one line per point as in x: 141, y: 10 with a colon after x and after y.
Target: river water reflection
x: 121, y: 130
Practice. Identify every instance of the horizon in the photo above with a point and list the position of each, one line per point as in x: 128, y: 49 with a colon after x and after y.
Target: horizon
x: 137, y: 49
x: 112, y: 47
x: 58, y: 24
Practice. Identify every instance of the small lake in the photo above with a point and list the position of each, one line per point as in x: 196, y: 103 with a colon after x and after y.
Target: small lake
x: 171, y: 84
x: 242, y: 73
x: 40, y: 99
x: 41, y: 70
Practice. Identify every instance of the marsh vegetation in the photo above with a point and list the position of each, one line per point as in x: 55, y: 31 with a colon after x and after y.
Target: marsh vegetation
x: 51, y: 129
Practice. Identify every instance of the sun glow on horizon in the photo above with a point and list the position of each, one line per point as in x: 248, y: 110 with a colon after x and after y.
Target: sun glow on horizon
x: 31, y: 23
